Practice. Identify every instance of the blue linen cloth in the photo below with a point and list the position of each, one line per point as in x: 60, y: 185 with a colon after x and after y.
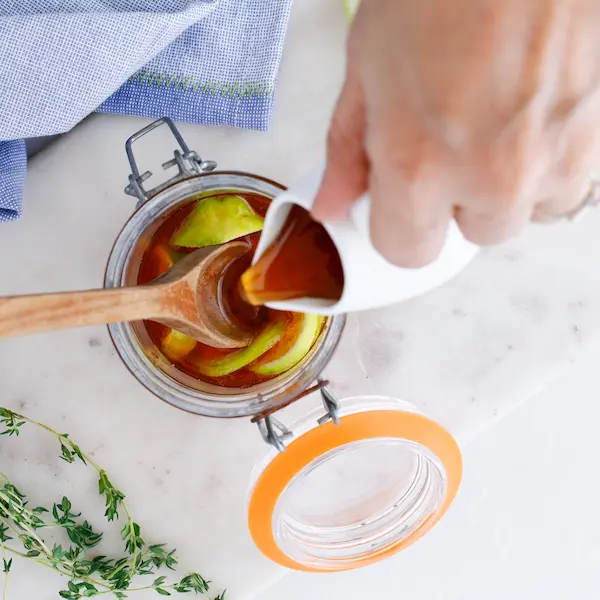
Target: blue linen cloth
x: 202, y: 61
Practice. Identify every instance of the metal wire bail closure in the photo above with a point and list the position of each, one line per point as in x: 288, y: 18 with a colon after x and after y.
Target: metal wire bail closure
x: 188, y: 163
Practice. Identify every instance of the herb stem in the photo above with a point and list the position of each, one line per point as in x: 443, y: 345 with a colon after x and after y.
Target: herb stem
x: 31, y: 532
x: 64, y: 571
x: 140, y: 589
x: 15, y: 531
x: 115, y: 574
x: 13, y: 551
x: 44, y: 561
x: 6, y: 573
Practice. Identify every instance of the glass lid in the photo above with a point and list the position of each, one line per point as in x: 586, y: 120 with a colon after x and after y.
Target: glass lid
x: 344, y: 496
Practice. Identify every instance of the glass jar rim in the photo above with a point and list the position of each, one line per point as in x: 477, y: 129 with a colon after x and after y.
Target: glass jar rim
x: 252, y: 401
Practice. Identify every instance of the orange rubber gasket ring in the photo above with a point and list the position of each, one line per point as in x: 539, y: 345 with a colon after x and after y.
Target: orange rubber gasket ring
x: 316, y: 442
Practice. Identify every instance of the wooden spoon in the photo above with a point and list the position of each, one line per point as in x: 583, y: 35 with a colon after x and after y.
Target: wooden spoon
x: 186, y: 298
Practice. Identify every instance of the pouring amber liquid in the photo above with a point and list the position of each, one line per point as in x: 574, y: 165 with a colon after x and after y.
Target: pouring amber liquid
x: 302, y: 262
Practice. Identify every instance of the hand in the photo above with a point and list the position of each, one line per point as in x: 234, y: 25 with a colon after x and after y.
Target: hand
x: 485, y: 111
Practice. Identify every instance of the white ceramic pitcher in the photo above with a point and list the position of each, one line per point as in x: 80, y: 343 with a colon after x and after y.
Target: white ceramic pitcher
x: 370, y: 280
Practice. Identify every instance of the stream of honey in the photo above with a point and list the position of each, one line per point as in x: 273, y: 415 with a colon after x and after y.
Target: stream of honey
x: 302, y: 262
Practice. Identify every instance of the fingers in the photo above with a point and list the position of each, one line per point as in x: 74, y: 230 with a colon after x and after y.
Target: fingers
x: 409, y: 232
x: 492, y: 227
x: 345, y: 176
x: 419, y: 178
x: 410, y: 207
x: 568, y: 196
x: 567, y: 185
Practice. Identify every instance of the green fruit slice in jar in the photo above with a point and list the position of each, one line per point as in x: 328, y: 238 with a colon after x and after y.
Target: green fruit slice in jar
x: 295, y: 345
x: 278, y: 348
x: 238, y: 359
x: 176, y: 345
x: 216, y: 220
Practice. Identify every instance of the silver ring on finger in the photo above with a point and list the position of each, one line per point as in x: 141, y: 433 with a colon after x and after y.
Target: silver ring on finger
x: 591, y: 200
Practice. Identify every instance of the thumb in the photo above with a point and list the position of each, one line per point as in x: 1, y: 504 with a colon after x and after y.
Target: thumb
x: 346, y: 173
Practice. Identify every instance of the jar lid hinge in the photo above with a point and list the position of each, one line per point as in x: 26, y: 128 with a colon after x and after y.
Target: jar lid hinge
x: 275, y: 433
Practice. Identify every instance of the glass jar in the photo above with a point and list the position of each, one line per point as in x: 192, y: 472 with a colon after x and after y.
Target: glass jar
x: 353, y: 480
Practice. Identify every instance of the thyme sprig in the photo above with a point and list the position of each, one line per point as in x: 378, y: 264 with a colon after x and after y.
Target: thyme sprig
x: 88, y: 575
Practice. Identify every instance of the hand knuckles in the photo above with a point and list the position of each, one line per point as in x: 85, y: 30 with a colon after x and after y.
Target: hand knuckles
x: 505, y: 202
x: 484, y: 234
x: 411, y: 161
x: 504, y: 190
x: 338, y: 138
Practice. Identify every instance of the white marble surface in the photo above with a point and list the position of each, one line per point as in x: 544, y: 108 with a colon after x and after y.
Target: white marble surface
x: 526, y: 523
x: 467, y: 353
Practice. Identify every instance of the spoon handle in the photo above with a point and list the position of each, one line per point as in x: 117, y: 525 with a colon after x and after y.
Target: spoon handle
x: 22, y: 315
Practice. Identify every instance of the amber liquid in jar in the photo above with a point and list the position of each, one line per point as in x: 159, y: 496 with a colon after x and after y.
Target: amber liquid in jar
x: 160, y: 255
x: 302, y: 262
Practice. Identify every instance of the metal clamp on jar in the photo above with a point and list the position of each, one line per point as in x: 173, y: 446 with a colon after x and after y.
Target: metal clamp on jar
x: 351, y: 481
